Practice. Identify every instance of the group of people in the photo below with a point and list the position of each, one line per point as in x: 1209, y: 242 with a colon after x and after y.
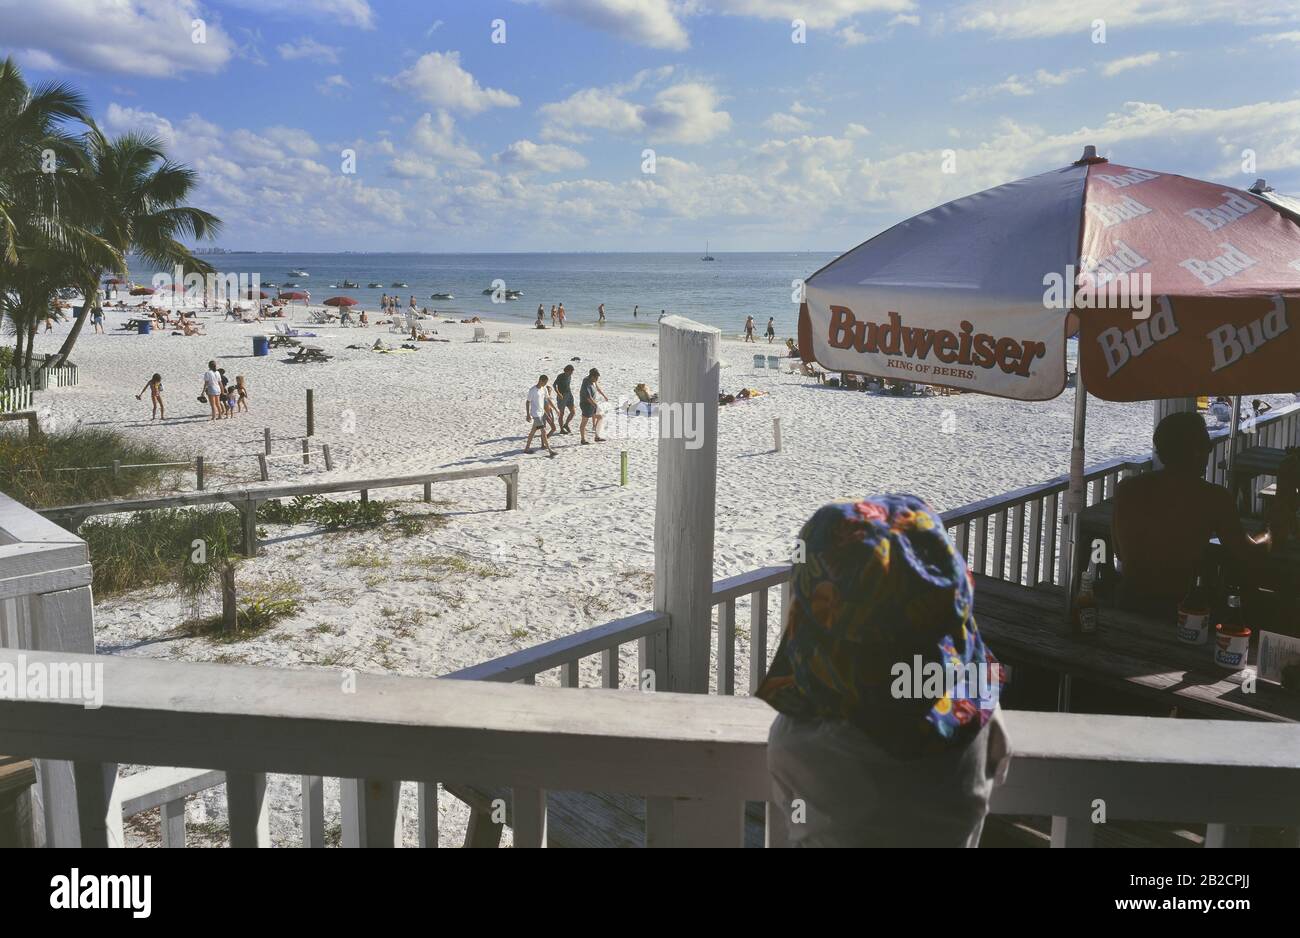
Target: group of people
x: 549, y: 408
x: 557, y: 315
x: 224, y: 398
x: 771, y: 329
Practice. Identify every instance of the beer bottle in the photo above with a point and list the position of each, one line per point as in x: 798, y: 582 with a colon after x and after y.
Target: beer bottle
x: 1194, y: 614
x: 1084, y: 618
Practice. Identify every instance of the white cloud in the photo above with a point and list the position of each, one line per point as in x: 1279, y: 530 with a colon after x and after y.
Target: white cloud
x: 333, y: 85
x: 344, y: 12
x: 851, y: 36
x: 1022, y: 86
x: 785, y: 124
x: 1029, y: 18
x: 654, y: 23
x: 853, y: 131
x: 526, y: 156
x: 905, y: 19
x: 683, y: 113
x: 308, y: 48
x: 661, y: 24
x: 1293, y: 36
x: 1117, y: 66
x: 436, y: 78
x: 434, y: 137
x: 153, y: 38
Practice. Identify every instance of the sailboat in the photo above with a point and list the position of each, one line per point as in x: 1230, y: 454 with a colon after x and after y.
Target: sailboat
x: 707, y: 256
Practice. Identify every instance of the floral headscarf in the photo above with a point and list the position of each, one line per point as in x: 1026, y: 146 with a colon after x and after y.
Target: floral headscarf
x: 881, y: 633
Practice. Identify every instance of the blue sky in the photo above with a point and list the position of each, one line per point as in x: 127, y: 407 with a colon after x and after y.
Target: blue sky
x: 536, y: 143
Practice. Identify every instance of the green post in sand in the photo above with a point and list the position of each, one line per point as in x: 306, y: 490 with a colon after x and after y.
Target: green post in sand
x: 622, y: 468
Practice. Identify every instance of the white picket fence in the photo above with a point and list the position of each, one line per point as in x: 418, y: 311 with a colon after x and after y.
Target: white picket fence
x: 17, y: 397
x: 65, y: 376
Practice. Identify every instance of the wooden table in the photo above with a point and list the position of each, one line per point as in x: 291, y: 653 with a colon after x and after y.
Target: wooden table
x: 1129, y: 652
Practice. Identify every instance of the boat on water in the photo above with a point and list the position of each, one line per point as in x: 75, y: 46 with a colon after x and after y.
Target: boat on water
x: 399, y: 284
x: 514, y: 294
x: 350, y: 284
x: 442, y: 296
x: 289, y: 285
x: 374, y: 286
x: 707, y: 256
x: 299, y: 273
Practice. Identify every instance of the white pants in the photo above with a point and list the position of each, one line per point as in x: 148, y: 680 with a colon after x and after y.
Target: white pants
x: 832, y: 786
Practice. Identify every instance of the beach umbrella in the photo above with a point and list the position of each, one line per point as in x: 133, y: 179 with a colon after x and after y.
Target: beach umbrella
x: 1174, y: 287
x: 340, y: 301
x: 142, y: 291
x: 261, y: 295
x: 293, y: 295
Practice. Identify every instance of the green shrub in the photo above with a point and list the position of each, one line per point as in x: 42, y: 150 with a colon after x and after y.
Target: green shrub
x: 186, y: 548
x: 326, y: 512
x: 27, y: 467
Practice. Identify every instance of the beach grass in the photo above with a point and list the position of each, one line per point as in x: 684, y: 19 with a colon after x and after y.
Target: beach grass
x: 184, y: 548
x: 76, y: 466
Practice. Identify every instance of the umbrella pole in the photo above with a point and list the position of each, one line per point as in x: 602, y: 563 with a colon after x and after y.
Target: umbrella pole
x: 1075, y: 501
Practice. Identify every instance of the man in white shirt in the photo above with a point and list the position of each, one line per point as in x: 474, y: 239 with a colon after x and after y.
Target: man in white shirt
x: 212, y: 388
x: 535, y: 412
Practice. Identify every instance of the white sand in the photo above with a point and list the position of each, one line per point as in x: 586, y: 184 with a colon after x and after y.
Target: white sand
x: 579, y: 551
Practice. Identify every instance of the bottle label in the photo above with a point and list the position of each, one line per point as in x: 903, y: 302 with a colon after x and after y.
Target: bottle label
x: 1088, y: 619
x: 1193, y: 627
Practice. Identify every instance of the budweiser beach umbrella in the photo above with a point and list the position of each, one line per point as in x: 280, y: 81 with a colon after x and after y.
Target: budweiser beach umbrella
x: 340, y: 301
x: 1181, y: 287
x: 1175, y: 287
x: 293, y: 295
x: 142, y: 291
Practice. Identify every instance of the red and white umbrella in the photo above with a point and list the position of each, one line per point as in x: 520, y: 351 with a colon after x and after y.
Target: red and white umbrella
x: 981, y: 293
x: 295, y: 295
x: 142, y: 291
x: 340, y: 301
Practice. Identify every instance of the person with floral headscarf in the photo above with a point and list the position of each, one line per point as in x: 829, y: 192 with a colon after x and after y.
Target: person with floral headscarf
x: 887, y: 731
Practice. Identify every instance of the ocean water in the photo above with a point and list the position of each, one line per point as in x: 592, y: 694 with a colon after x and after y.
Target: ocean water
x: 720, y: 293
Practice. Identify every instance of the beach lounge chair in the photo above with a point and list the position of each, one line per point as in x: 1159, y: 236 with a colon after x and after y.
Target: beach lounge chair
x: 322, y: 317
x: 398, y: 324
x: 480, y: 334
x: 774, y: 363
x: 760, y: 362
x: 503, y: 337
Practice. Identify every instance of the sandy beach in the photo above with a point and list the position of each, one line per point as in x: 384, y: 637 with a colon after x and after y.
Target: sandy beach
x: 484, y: 582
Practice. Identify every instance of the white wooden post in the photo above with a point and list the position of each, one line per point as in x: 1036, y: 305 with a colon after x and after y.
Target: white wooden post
x: 426, y: 799
x: 685, y: 499
x: 173, y: 823
x: 313, y: 811
x: 98, y: 809
x: 372, y: 814
x: 250, y: 825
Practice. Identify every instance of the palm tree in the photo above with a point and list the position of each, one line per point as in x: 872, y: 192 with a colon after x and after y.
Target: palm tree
x: 37, y: 219
x: 137, y: 195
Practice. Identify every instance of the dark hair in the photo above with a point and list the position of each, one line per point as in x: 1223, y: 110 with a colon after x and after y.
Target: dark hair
x: 1182, y: 441
x: 593, y: 373
x: 212, y: 366
x: 157, y: 377
x: 568, y: 367
x: 543, y: 379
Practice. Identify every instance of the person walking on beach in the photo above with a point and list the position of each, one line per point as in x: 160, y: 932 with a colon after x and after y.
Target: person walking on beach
x: 564, y: 397
x: 541, y: 314
x: 154, y: 387
x: 242, y: 390
x: 212, y: 389
x: 634, y: 311
x: 535, y: 413
x: 97, y: 319
x: 749, y: 328
x: 559, y: 314
x: 601, y: 311
x: 587, y: 401
x: 771, y: 329
x: 552, y: 315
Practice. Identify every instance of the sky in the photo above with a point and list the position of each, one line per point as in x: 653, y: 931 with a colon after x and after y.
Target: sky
x: 658, y: 125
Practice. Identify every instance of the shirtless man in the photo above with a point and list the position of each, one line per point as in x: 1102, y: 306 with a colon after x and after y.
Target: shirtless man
x: 1163, y: 520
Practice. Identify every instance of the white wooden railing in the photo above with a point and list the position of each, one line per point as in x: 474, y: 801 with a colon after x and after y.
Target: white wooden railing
x: 706, y: 754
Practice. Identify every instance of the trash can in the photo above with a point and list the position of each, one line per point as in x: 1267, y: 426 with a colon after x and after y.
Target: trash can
x: 144, y: 328
x: 261, y: 345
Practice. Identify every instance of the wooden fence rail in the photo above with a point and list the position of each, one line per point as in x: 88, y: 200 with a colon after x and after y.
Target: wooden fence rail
x: 246, y: 500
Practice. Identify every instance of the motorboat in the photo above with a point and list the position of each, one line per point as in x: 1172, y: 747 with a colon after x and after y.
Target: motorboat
x: 442, y: 296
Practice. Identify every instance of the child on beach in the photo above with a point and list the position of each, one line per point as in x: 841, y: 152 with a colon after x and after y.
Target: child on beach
x: 242, y: 390
x: 749, y: 328
x: 154, y: 387
x: 771, y: 329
